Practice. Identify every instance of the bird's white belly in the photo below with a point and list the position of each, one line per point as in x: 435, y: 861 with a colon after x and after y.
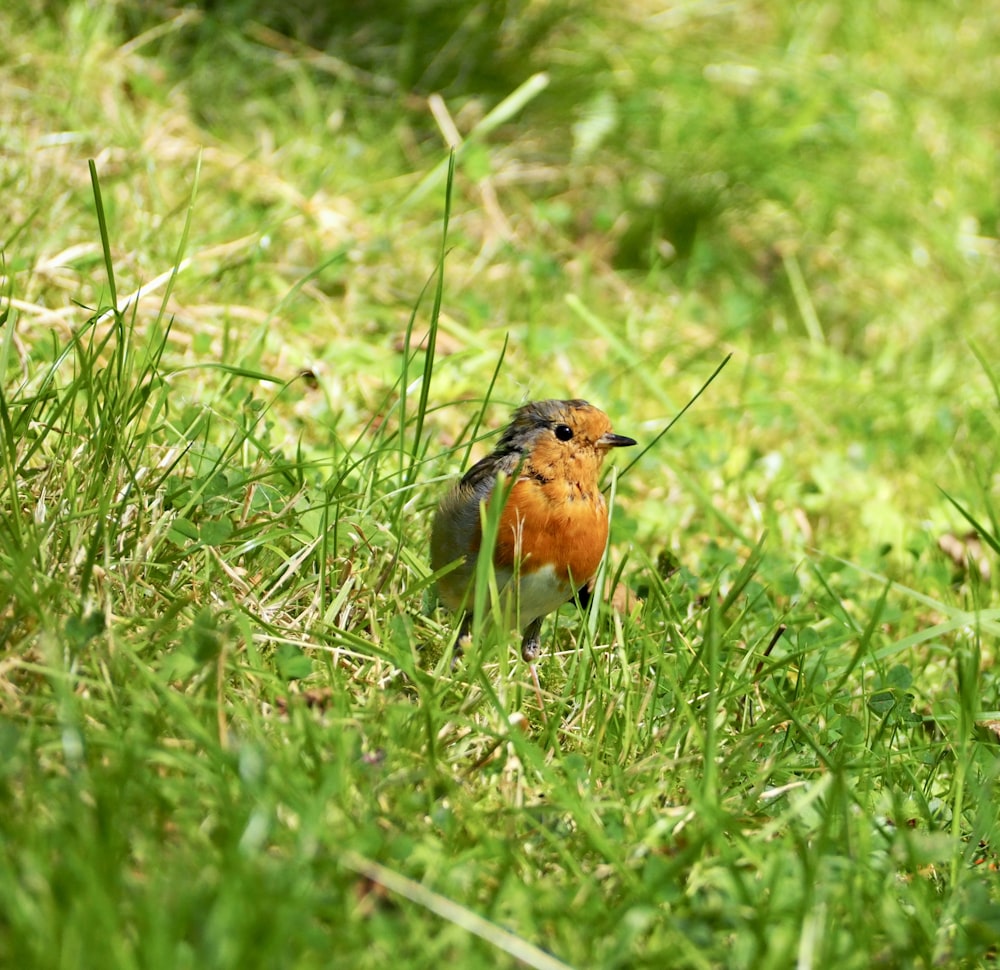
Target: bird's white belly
x: 539, y: 592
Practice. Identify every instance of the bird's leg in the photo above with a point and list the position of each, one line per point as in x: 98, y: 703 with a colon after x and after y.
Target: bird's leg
x: 463, y: 641
x: 531, y: 644
x: 531, y: 647
x: 583, y: 595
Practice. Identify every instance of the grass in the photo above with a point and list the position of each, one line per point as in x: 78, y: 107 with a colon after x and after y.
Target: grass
x: 244, y: 350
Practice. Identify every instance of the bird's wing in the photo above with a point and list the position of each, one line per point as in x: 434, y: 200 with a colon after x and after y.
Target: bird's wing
x: 479, y: 480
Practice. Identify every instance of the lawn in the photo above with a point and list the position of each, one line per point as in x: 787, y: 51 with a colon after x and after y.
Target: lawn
x: 271, y: 276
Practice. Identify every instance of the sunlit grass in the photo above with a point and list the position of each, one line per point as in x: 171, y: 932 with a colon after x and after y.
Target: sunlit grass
x: 243, y: 353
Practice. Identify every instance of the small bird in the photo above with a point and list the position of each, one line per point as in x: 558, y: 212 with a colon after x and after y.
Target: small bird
x: 554, y: 523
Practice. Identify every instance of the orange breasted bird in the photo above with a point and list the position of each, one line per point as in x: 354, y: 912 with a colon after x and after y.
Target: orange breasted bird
x: 554, y: 524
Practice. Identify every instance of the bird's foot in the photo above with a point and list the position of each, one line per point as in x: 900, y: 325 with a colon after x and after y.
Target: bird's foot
x: 531, y: 644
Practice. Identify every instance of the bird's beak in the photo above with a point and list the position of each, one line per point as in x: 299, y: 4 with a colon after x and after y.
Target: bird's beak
x: 610, y: 440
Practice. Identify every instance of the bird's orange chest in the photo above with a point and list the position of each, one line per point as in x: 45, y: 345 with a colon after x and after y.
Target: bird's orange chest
x: 557, y: 523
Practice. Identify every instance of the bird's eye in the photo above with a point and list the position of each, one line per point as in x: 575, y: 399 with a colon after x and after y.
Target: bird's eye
x: 563, y: 432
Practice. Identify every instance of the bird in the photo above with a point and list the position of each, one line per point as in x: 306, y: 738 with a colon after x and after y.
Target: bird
x: 553, y: 527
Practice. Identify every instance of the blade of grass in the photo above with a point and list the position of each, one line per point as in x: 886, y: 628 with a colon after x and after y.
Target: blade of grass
x: 991, y: 540
x: 652, y: 444
x: 519, y: 948
x: 502, y: 113
x: 481, y: 412
x: 105, y: 237
x: 425, y: 384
